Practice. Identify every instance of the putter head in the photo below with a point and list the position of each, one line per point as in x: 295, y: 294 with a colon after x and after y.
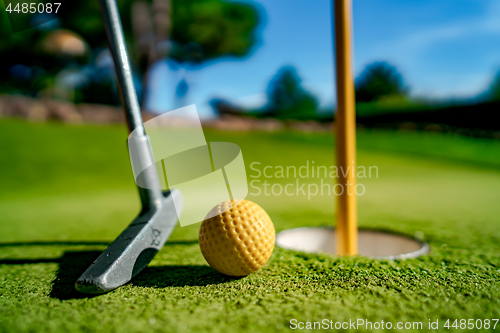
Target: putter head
x: 133, y: 249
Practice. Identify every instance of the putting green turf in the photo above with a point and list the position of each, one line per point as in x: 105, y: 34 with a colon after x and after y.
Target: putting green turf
x: 67, y: 192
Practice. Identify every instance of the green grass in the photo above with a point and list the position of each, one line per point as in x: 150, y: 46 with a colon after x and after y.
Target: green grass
x: 67, y: 191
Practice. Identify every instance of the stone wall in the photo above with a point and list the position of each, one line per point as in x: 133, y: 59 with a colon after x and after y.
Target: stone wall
x: 42, y: 110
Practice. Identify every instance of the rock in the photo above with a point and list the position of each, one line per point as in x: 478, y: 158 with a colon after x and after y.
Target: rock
x: 49, y: 109
x: 63, y: 111
x: 38, y: 112
x: 407, y: 126
x: 433, y: 128
x: 15, y: 106
x: 101, y: 114
x: 309, y: 126
x: 270, y: 125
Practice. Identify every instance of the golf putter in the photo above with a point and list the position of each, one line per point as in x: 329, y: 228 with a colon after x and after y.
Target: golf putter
x: 144, y: 237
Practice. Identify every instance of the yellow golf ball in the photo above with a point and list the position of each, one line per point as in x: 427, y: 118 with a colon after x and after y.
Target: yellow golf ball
x: 238, y: 239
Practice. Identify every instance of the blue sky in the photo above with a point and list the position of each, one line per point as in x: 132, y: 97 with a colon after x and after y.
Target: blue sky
x: 444, y: 49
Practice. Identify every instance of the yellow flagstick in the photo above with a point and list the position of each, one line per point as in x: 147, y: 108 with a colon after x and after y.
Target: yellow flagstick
x: 345, y: 125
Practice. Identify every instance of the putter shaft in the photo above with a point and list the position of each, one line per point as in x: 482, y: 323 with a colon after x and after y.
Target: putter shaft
x: 151, y: 196
x: 145, y: 236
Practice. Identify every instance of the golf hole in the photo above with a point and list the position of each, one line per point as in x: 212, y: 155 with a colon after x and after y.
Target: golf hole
x: 372, y: 244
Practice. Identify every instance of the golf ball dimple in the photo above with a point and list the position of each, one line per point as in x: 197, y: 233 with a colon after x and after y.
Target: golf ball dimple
x: 237, y: 237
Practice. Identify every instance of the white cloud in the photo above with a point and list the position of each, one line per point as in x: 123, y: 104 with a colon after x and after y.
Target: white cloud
x: 254, y: 101
x: 411, y: 44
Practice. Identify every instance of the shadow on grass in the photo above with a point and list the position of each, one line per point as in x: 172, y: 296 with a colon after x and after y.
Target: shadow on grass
x: 71, y: 266
x: 73, y: 263
x: 79, y: 243
x: 179, y: 276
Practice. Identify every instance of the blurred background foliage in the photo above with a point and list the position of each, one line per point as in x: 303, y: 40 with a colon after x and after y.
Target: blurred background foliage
x: 209, y: 29
x: 67, y: 59
x: 382, y: 100
x: 494, y: 92
x: 188, y: 31
x: 287, y: 99
x: 379, y: 80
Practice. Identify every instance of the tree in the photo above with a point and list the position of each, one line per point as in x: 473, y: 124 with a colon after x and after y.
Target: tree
x: 209, y: 29
x: 493, y: 92
x: 378, y: 80
x: 200, y: 30
x: 287, y: 98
